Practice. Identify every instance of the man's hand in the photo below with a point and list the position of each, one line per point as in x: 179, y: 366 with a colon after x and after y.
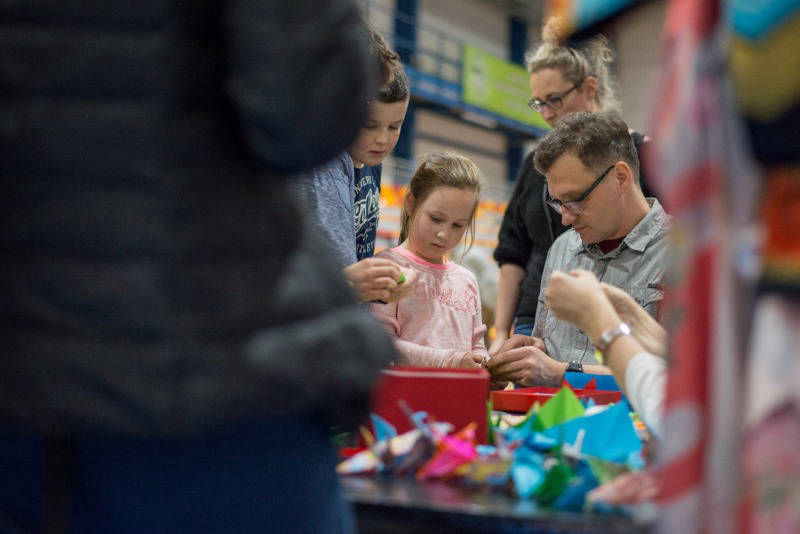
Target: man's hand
x: 376, y: 279
x: 519, y: 340
x: 524, y: 363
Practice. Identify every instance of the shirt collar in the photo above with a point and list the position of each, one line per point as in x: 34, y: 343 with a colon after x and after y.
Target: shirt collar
x: 648, y: 228
x: 638, y: 238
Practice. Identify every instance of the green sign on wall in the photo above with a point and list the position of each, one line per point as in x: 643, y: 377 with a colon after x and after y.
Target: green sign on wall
x: 496, y: 85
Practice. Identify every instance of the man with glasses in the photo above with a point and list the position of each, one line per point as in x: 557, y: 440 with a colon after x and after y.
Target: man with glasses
x: 563, y: 80
x: 591, y: 166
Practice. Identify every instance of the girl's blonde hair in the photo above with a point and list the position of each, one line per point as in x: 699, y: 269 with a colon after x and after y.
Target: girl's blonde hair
x: 442, y: 169
x: 576, y: 63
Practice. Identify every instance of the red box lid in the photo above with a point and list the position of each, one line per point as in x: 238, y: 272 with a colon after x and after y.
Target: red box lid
x: 520, y: 400
x: 456, y: 396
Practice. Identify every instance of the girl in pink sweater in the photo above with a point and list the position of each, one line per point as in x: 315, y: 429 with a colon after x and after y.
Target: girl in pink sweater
x: 438, y: 323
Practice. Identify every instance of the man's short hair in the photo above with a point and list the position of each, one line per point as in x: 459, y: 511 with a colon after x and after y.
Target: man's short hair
x: 597, y: 139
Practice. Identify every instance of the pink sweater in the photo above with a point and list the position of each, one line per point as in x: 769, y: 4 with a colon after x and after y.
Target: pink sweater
x: 439, y: 320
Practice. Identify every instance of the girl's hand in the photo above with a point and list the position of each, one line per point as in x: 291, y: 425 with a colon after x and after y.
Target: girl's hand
x: 521, y: 340
x: 471, y: 361
x: 497, y: 343
x: 374, y: 278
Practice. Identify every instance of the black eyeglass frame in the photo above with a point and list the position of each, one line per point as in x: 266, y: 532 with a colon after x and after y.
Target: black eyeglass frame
x: 536, y: 105
x: 574, y: 206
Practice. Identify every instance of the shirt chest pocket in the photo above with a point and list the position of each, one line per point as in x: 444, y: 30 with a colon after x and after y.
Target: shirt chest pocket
x: 550, y: 327
x: 649, y: 298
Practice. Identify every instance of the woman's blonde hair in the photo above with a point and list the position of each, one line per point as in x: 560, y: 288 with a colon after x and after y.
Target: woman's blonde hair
x: 442, y: 169
x: 576, y: 63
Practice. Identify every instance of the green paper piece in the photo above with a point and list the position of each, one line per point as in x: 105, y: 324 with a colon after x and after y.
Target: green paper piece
x: 563, y: 406
x: 554, y: 483
x: 401, y: 279
x: 532, y: 411
x: 605, y: 471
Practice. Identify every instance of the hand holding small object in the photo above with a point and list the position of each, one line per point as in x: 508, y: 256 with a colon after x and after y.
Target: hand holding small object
x: 471, y: 360
x: 374, y: 278
x: 522, y: 361
x: 404, y: 284
x: 575, y: 297
x: 497, y: 343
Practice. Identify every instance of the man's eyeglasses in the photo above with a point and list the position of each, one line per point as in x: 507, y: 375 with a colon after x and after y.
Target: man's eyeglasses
x: 574, y: 206
x: 555, y: 102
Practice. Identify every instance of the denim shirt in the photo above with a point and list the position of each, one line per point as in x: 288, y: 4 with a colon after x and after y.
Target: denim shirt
x: 635, y: 266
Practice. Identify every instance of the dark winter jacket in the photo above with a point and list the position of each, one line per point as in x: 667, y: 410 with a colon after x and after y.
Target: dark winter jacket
x: 156, y: 276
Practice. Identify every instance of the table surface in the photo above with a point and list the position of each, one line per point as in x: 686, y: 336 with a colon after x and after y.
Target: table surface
x: 394, y: 504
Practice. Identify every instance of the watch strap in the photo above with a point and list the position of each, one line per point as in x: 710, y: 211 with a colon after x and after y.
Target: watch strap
x: 574, y: 366
x: 622, y: 329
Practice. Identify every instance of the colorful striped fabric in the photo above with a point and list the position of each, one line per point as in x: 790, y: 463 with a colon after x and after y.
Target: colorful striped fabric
x: 702, y: 172
x: 765, y: 63
x: 729, y: 96
x: 730, y: 459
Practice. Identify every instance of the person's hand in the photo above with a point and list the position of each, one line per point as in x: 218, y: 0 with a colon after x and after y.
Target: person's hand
x: 374, y: 278
x: 651, y: 335
x: 526, y: 364
x: 626, y: 307
x: 626, y: 489
x: 519, y: 340
x: 471, y: 360
x: 404, y: 285
x: 497, y: 343
x: 576, y: 297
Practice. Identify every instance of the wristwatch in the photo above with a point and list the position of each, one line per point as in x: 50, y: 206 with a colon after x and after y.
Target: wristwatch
x: 574, y: 366
x: 622, y: 329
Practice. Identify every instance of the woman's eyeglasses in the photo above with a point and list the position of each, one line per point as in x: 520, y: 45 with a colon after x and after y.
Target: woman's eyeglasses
x: 555, y: 102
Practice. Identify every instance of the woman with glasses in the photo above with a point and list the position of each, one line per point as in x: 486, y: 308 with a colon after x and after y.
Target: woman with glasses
x: 563, y: 79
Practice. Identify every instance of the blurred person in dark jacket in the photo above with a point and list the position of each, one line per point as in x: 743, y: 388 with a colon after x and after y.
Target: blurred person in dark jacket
x: 177, y: 345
